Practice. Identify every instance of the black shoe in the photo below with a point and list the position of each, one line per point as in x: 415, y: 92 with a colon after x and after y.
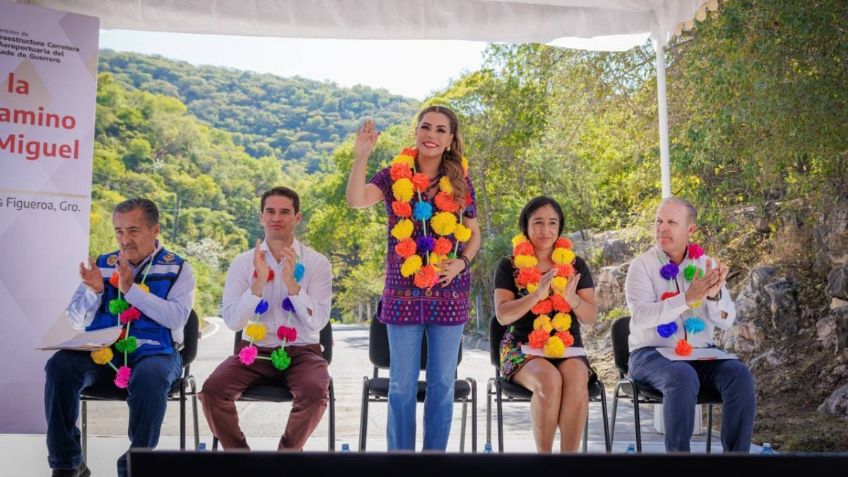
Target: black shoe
x: 79, y: 471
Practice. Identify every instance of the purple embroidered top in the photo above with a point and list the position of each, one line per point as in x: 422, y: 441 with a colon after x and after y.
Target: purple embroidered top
x: 403, y: 302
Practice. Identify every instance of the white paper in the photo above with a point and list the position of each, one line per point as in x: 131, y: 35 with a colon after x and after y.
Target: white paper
x: 88, y: 340
x: 698, y: 354
x: 571, y: 351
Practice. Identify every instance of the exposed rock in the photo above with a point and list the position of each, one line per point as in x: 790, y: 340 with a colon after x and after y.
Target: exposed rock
x: 609, y: 287
x: 616, y: 251
x: 784, y: 305
x: 837, y: 403
x: 767, y: 301
x: 769, y: 357
x: 832, y: 330
x: 831, y: 235
x: 837, y: 283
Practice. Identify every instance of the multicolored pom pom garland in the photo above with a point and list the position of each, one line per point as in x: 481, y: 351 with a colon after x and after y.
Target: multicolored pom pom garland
x: 256, y: 331
x: 126, y: 344
x: 549, y: 334
x: 445, y: 222
x: 669, y: 271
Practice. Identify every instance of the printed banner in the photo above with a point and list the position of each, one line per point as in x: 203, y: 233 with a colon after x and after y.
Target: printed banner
x: 48, y: 83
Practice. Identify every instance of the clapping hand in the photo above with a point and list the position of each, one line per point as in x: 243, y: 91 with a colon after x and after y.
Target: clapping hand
x: 91, y: 276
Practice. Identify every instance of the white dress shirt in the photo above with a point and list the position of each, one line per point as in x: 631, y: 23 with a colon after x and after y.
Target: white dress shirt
x: 643, y: 288
x: 171, y: 313
x: 311, y: 305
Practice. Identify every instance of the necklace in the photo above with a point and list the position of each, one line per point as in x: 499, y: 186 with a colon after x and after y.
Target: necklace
x: 421, y: 255
x: 669, y: 271
x: 551, y: 335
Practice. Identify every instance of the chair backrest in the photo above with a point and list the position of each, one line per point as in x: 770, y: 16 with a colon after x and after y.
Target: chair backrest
x: 378, y: 344
x: 190, y: 339
x: 325, y: 339
x: 496, y: 332
x: 620, y: 332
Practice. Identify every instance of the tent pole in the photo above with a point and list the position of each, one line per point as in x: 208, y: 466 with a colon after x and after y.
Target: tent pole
x: 665, y: 168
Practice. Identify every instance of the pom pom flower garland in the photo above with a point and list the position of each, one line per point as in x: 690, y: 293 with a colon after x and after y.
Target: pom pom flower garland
x: 126, y: 344
x: 421, y: 255
x: 669, y: 271
x: 549, y: 334
x: 256, y: 331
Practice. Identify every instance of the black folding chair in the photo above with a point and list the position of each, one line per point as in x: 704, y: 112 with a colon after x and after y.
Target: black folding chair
x: 500, y: 387
x: 279, y: 392
x: 178, y: 392
x: 640, y: 393
x: 376, y: 388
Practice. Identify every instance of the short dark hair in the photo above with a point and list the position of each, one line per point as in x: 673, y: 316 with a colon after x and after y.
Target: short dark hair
x: 151, y: 212
x: 691, y: 211
x: 283, y: 191
x: 535, y: 204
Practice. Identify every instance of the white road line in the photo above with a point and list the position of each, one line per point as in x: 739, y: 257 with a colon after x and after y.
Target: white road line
x: 215, y: 322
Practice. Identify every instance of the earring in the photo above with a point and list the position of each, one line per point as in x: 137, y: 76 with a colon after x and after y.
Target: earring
x: 448, y: 149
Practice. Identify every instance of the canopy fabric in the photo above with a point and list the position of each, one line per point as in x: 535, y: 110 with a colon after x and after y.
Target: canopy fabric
x: 628, y: 22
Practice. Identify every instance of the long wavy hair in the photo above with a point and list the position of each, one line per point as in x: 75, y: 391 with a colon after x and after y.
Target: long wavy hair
x: 451, y: 159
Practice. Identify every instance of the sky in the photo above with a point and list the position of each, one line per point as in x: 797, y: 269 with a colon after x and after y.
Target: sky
x: 412, y: 68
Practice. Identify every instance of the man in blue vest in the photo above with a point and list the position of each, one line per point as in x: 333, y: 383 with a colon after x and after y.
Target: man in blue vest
x: 160, y: 286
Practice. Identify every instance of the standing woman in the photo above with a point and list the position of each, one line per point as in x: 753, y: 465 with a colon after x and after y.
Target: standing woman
x: 541, y: 292
x: 432, y: 236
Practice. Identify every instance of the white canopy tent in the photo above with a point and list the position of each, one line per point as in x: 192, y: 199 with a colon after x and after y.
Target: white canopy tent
x: 585, y: 24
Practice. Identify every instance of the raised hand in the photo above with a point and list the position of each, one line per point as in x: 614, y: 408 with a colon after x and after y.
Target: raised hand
x: 701, y: 286
x: 571, y: 289
x: 545, y: 285
x: 366, y: 138
x: 289, y: 260
x: 91, y: 276
x: 722, y: 270
x: 261, y: 268
x: 124, y: 273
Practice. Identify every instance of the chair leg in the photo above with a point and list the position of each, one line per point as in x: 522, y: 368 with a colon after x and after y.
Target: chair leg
x: 614, y: 411
x: 84, y: 425
x: 586, y: 435
x: 489, y: 385
x: 331, y: 445
x: 182, y: 415
x: 194, y: 412
x: 607, y: 441
x: 709, y: 427
x: 637, y: 421
x: 473, y: 415
x: 462, y: 426
x: 363, y: 417
x: 499, y: 401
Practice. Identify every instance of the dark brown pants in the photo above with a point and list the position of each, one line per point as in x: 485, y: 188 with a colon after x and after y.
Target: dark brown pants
x: 307, y: 379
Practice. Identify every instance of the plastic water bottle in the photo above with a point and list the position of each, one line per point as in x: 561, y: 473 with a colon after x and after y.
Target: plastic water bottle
x: 201, y: 446
x: 345, y: 447
x: 631, y: 448
x: 767, y: 449
x: 487, y: 448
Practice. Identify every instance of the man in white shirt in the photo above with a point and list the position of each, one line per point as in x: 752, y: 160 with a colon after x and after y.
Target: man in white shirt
x: 677, y: 297
x: 281, y: 283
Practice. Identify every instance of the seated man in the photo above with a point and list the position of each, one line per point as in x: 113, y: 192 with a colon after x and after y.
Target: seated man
x: 677, y: 297
x: 280, y: 294
x: 159, y: 286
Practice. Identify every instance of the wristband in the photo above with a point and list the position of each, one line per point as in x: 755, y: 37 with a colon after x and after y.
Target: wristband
x: 466, y: 260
